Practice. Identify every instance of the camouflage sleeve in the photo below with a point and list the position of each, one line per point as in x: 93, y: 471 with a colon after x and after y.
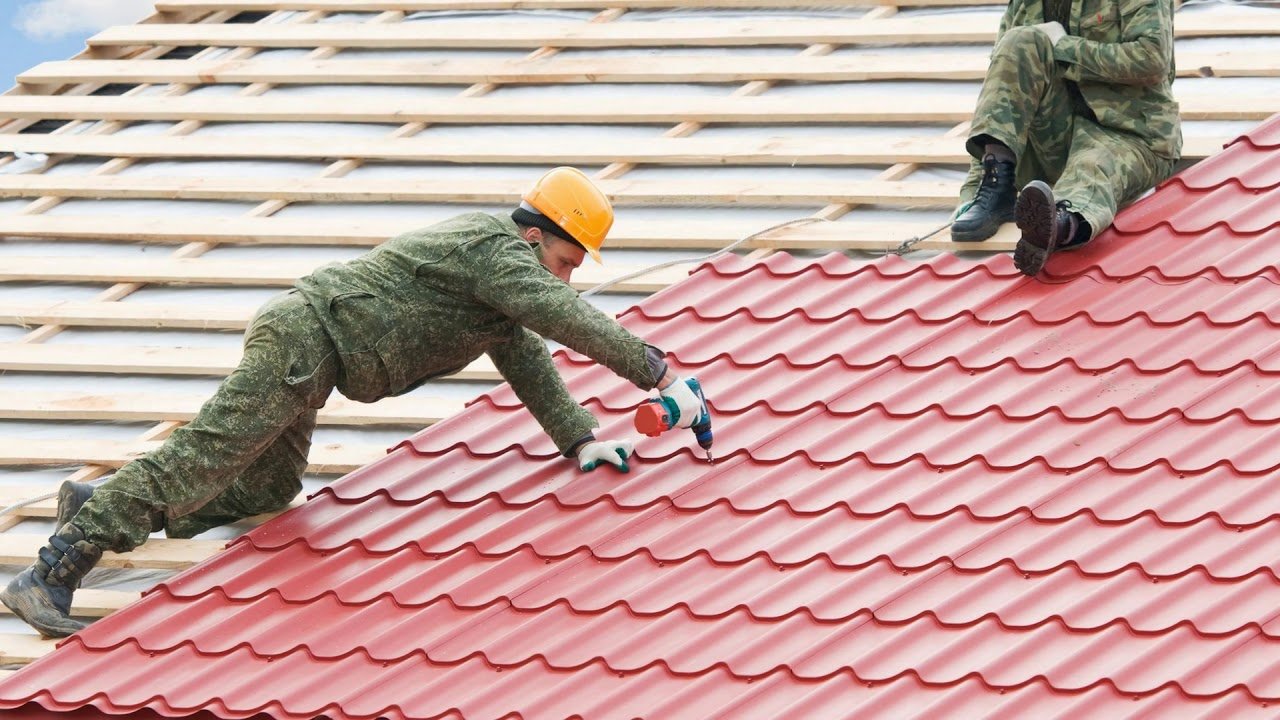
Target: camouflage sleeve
x: 1142, y: 57
x: 1005, y: 21
x: 525, y: 363
x: 513, y: 282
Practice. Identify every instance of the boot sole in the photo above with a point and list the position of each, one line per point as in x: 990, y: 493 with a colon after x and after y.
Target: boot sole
x: 29, y: 609
x: 1034, y: 213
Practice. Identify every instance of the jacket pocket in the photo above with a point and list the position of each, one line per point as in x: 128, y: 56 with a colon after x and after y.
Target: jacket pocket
x: 1101, y: 22
x: 359, y: 324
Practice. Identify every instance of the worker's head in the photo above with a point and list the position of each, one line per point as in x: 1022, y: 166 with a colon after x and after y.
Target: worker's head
x: 564, y: 204
x: 559, y: 256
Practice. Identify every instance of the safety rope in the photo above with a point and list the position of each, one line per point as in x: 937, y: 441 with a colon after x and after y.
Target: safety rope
x: 704, y: 258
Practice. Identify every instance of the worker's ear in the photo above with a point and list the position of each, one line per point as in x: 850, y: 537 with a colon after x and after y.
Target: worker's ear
x: 533, y: 235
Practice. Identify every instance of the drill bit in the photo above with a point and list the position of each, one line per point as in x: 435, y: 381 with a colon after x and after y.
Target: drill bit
x: 710, y: 460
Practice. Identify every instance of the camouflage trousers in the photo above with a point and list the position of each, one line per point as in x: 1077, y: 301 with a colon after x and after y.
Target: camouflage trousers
x: 245, y: 451
x: 1025, y: 104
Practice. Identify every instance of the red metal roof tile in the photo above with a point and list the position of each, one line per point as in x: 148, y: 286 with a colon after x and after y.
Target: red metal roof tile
x: 747, y: 647
x: 708, y: 589
x: 942, y: 489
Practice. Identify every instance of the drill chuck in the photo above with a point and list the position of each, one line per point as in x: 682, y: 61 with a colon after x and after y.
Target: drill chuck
x: 658, y: 415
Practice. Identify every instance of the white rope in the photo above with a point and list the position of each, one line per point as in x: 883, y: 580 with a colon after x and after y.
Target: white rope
x: 704, y: 258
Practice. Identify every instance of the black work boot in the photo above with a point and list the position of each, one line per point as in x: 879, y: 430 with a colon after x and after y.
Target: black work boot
x: 992, y: 206
x: 41, y: 594
x: 1046, y: 226
x: 71, y: 495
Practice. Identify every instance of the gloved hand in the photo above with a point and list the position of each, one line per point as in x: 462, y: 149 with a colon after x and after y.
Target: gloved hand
x: 686, y: 401
x: 1053, y: 30
x: 614, y: 452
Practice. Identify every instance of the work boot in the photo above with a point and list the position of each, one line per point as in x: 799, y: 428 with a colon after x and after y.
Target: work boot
x: 1046, y: 226
x: 41, y: 594
x: 71, y: 495
x: 991, y: 207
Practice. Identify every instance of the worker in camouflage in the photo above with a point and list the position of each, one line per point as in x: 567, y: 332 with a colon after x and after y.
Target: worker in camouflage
x: 421, y: 305
x: 1078, y: 110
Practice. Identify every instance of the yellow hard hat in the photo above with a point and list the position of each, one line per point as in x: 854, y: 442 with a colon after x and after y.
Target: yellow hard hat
x: 569, y: 199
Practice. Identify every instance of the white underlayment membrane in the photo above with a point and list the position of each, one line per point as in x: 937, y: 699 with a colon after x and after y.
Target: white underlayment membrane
x: 426, y: 213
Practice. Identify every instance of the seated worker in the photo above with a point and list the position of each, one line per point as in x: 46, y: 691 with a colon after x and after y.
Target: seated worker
x: 1081, y: 101
x: 419, y: 306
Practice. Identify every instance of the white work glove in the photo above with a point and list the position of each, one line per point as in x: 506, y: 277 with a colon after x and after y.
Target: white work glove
x: 686, y: 401
x: 614, y: 452
x: 1053, y: 30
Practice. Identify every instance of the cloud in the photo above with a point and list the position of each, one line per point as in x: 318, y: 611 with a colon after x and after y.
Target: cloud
x: 53, y: 19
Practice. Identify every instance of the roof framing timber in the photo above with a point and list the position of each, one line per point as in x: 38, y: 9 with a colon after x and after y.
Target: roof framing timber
x: 767, y: 110
x: 671, y: 69
x: 414, y: 410
x: 260, y: 273
x: 437, y: 5
x: 331, y: 459
x: 697, y: 235
x: 156, y: 554
x: 23, y: 648
x: 978, y: 28
x: 352, y: 189
x: 152, y: 360
x: 695, y: 150
x: 90, y: 602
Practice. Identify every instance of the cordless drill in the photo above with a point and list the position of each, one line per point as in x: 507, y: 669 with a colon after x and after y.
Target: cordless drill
x: 658, y: 415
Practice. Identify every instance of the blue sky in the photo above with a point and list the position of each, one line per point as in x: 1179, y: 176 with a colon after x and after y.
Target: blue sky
x: 33, y: 31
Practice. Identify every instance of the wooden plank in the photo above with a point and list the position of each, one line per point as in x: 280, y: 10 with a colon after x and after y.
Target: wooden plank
x: 346, y: 189
x: 561, y: 70
x: 237, y: 273
x: 90, y: 602
x: 330, y: 459
x: 159, y: 271
x: 126, y: 315
x: 637, y: 110
x: 23, y: 648
x: 48, y: 508
x: 977, y: 28
x: 150, y: 360
x: 156, y: 554
x: 780, y: 150
x: 627, y: 233
x: 438, y: 5
x: 413, y: 411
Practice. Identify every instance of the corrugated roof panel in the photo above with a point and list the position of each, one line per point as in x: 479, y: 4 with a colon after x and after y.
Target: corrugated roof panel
x: 709, y: 589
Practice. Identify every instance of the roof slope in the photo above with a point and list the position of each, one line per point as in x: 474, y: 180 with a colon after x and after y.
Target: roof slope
x: 943, y: 489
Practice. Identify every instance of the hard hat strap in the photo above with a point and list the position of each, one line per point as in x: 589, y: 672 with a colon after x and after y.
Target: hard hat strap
x: 527, y: 216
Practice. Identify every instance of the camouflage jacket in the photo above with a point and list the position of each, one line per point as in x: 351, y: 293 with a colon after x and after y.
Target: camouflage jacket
x: 1120, y: 53
x: 427, y: 303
